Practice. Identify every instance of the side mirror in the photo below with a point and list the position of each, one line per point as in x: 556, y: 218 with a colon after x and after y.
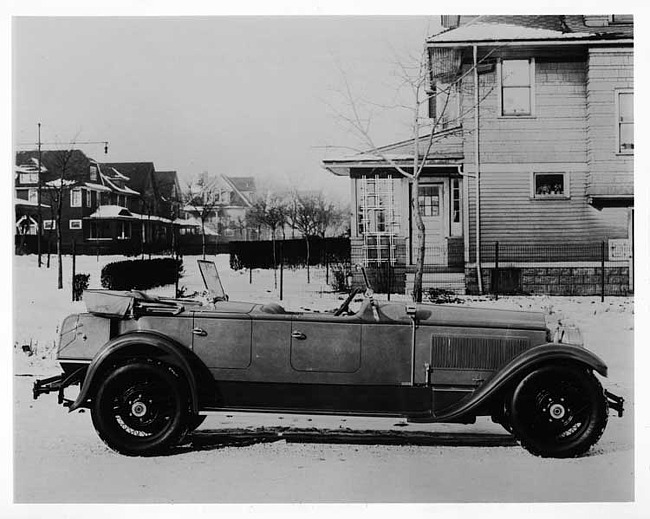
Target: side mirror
x: 411, y: 310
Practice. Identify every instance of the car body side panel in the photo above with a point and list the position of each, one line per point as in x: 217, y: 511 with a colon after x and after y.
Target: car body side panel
x: 222, y: 341
x: 325, y: 347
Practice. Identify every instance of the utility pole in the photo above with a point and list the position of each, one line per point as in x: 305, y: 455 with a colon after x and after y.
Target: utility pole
x: 40, y: 219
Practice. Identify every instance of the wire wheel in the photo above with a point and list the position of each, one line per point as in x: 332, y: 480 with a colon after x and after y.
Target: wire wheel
x: 140, y: 409
x: 558, y: 411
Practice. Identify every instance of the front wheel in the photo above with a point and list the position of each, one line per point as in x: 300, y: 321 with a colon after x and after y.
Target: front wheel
x: 140, y: 409
x: 558, y: 411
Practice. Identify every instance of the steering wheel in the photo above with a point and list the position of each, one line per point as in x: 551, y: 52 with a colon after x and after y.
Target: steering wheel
x: 346, y: 303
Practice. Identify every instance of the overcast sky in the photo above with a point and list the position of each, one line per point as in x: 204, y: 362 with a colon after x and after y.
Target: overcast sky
x: 241, y: 96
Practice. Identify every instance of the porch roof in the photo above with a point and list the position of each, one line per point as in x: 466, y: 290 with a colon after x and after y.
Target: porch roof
x: 447, y: 150
x: 26, y: 203
x: 112, y: 212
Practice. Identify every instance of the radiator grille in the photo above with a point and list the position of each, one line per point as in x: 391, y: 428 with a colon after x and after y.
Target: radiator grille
x: 474, y: 352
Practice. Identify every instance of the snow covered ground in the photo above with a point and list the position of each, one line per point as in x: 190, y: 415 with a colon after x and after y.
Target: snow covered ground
x: 58, y: 457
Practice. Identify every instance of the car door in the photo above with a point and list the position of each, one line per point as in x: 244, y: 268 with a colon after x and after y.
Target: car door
x: 325, y: 344
x: 222, y: 340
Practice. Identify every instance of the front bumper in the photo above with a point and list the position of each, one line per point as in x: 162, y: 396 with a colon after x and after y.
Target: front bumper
x: 615, y: 402
x: 58, y: 383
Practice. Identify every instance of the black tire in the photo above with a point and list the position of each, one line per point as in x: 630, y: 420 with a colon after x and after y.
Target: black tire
x: 140, y: 409
x: 194, y: 421
x: 558, y: 411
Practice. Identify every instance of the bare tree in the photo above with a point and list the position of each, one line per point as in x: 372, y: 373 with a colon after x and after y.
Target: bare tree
x: 204, y: 198
x: 312, y: 216
x: 63, y: 163
x: 270, y: 212
x: 425, y: 90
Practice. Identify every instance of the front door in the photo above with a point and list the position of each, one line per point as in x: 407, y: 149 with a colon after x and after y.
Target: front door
x: 432, y: 207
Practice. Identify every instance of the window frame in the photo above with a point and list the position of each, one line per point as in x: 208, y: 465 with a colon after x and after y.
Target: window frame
x: 49, y: 225
x: 617, y: 119
x: 73, y: 192
x: 531, y: 86
x: 566, y: 181
x: 75, y: 222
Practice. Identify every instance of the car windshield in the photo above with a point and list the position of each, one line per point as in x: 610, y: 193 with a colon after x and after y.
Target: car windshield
x: 211, y: 280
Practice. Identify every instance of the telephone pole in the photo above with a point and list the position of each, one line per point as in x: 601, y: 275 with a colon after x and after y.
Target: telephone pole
x: 40, y: 219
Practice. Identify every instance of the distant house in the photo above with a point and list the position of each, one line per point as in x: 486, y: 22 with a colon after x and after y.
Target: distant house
x: 554, y: 174
x: 227, y: 221
x: 101, y: 209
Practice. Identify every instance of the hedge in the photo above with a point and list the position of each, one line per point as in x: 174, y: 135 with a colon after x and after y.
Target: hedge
x: 292, y: 253
x: 141, y: 274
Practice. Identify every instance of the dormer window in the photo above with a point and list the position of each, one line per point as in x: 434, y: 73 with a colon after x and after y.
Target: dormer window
x: 93, y: 173
x: 517, y: 84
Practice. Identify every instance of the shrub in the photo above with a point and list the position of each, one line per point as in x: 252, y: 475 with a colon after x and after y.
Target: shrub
x: 79, y: 284
x: 440, y: 296
x: 141, y: 274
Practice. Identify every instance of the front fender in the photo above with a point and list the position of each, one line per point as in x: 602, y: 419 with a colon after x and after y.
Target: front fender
x: 141, y: 344
x: 543, y: 354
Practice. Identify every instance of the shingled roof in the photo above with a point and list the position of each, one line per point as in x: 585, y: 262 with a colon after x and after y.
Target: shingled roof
x: 531, y: 28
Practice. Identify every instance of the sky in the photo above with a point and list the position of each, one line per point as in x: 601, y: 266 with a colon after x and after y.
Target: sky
x: 242, y: 96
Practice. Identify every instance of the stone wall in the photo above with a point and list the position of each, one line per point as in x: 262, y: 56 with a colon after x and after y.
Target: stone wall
x: 560, y: 281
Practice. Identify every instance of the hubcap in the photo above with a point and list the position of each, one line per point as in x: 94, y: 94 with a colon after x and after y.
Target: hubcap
x: 557, y: 411
x: 138, y: 409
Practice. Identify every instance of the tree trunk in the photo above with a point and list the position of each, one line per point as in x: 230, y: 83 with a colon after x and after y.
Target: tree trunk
x: 59, y: 239
x: 275, y: 263
x: 203, y: 238
x: 307, y: 241
x: 419, y: 224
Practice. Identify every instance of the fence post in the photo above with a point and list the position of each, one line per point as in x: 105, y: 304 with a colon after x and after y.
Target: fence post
x: 388, y: 287
x: 495, y: 281
x: 49, y: 250
x: 74, y: 268
x: 281, y: 269
x: 602, y: 272
x: 250, y: 275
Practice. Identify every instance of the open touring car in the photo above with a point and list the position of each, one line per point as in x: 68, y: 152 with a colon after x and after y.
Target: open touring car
x: 150, y: 368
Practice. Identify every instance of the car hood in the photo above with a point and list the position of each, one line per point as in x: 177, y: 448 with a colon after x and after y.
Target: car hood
x: 453, y: 315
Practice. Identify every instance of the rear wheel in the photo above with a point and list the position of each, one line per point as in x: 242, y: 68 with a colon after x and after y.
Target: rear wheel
x: 558, y: 411
x: 140, y: 409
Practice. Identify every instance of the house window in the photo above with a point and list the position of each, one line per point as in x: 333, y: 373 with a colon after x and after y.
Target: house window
x: 455, y: 216
x: 429, y: 197
x: 625, y: 121
x: 447, y: 104
x: 49, y: 225
x: 33, y: 196
x: 29, y: 178
x: 550, y: 185
x: 124, y: 231
x: 93, y: 173
x: 93, y: 199
x: 75, y: 198
x: 377, y: 207
x: 75, y: 224
x: 99, y: 230
x: 517, y: 82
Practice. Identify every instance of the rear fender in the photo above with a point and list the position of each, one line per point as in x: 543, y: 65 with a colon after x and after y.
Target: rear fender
x: 147, y: 344
x: 518, y: 367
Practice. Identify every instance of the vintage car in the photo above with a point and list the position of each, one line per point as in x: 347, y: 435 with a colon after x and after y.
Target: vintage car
x: 150, y: 368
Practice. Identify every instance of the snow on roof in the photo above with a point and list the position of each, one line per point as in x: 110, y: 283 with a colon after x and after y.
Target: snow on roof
x: 488, y: 31
x: 114, y: 187
x: 60, y: 182
x: 112, y: 211
x: 96, y: 187
x: 27, y: 203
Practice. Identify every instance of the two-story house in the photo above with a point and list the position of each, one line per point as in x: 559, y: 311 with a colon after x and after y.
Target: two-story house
x: 226, y: 218
x: 101, y: 212
x: 533, y: 150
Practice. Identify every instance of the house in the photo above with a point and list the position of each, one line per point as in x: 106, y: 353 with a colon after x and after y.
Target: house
x: 548, y: 103
x: 101, y: 212
x: 226, y: 219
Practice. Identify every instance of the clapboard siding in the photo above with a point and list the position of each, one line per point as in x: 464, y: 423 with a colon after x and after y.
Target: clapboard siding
x: 556, y: 133
x: 608, y: 70
x: 510, y: 215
